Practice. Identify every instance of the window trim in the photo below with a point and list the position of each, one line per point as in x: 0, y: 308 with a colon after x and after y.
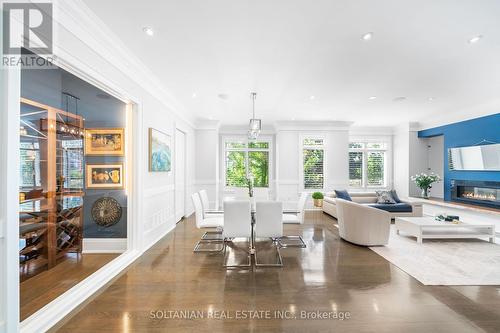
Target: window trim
x: 244, y: 139
x: 387, y: 161
x: 301, y: 145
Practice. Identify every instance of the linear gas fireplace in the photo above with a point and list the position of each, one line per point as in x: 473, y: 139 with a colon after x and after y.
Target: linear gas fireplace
x: 483, y: 193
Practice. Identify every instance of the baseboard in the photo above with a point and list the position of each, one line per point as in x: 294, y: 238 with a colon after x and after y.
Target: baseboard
x: 104, y: 245
x: 48, y: 316
x: 52, y: 313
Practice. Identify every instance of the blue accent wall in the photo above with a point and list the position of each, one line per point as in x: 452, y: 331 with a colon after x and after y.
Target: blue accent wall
x: 466, y: 133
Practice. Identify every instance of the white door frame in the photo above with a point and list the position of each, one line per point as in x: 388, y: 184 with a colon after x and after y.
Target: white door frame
x: 185, y: 172
x: 55, y: 311
x: 9, y: 231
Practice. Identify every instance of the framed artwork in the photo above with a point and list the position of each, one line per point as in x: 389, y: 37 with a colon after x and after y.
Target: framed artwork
x: 105, y: 141
x: 160, y: 155
x: 105, y: 176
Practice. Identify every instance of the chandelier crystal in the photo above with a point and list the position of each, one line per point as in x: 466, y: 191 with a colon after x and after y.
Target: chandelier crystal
x: 255, y: 125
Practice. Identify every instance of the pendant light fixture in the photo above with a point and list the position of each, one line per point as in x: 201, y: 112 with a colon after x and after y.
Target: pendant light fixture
x: 255, y: 124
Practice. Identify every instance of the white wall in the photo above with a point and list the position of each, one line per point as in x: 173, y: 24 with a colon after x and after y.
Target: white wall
x: 418, y: 159
x: 436, y: 163
x: 412, y: 156
x: 207, y: 162
x: 401, y: 160
x: 87, y: 48
x: 287, y: 167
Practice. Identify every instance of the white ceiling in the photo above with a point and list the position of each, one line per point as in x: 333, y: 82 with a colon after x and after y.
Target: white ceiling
x: 289, y: 50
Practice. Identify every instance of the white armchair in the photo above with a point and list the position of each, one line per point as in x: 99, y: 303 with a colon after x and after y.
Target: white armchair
x: 363, y: 225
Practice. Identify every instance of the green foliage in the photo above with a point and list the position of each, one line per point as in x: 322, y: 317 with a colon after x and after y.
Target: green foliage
x: 317, y: 195
x: 375, y: 168
x: 236, y: 173
x: 259, y: 167
x: 355, y: 168
x: 313, y: 168
x: 235, y: 169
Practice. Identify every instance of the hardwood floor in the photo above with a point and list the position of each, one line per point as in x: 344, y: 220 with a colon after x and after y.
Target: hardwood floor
x: 330, y: 275
x: 39, y: 290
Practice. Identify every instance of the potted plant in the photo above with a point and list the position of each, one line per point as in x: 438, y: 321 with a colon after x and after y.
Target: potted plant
x: 318, y: 199
x: 424, y: 182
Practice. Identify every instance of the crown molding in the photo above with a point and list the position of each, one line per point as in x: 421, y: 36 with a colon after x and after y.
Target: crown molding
x: 369, y: 130
x: 312, y: 125
x: 210, y: 125
x: 82, y: 22
x: 243, y: 130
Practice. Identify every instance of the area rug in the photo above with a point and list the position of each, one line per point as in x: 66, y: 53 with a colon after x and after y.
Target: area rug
x: 444, y: 262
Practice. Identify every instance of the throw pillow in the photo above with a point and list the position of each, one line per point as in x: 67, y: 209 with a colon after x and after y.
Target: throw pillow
x: 343, y: 195
x: 385, y: 197
x: 395, y: 196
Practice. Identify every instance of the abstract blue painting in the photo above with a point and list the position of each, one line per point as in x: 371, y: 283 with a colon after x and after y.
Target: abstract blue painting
x: 160, y: 156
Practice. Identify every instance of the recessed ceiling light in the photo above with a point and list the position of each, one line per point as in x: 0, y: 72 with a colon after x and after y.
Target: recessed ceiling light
x: 475, y: 39
x: 431, y: 99
x: 399, y: 99
x: 372, y: 98
x: 148, y: 31
x: 367, y: 36
x: 194, y: 95
x: 312, y: 97
x: 293, y: 119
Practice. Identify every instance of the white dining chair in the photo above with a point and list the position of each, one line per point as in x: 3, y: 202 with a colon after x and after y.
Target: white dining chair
x: 295, y: 217
x: 237, y: 224
x: 213, y: 236
x: 205, y: 203
x: 261, y: 193
x: 269, y: 224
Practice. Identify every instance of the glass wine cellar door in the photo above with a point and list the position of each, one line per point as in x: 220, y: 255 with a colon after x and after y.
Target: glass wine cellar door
x: 51, y: 186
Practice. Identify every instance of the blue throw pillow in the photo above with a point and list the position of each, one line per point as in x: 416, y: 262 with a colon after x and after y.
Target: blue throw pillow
x: 395, y: 196
x: 343, y: 195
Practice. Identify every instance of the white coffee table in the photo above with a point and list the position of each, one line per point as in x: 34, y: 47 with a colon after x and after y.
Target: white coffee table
x: 428, y: 227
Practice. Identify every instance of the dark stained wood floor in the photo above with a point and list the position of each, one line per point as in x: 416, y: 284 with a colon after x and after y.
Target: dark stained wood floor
x: 39, y: 290
x: 330, y: 275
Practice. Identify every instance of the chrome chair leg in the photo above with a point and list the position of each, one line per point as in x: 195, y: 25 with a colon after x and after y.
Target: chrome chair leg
x: 208, y: 238
x: 280, y: 259
x: 284, y: 245
x: 198, y: 249
x: 212, y: 235
x: 227, y: 240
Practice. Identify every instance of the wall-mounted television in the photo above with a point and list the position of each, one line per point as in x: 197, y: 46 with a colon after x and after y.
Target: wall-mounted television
x: 475, y: 158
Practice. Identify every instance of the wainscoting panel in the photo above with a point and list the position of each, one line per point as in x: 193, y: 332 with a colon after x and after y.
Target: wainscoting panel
x: 158, y: 212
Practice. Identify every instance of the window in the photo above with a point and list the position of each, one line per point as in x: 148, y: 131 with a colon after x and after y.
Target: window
x: 29, y: 171
x: 72, y: 164
x: 247, y: 159
x: 313, y: 159
x: 367, y: 164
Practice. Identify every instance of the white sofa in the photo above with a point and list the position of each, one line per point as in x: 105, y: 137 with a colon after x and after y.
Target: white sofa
x: 361, y: 224
x: 367, y: 198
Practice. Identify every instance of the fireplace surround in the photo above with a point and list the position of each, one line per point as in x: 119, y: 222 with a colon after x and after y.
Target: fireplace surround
x: 481, y: 193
